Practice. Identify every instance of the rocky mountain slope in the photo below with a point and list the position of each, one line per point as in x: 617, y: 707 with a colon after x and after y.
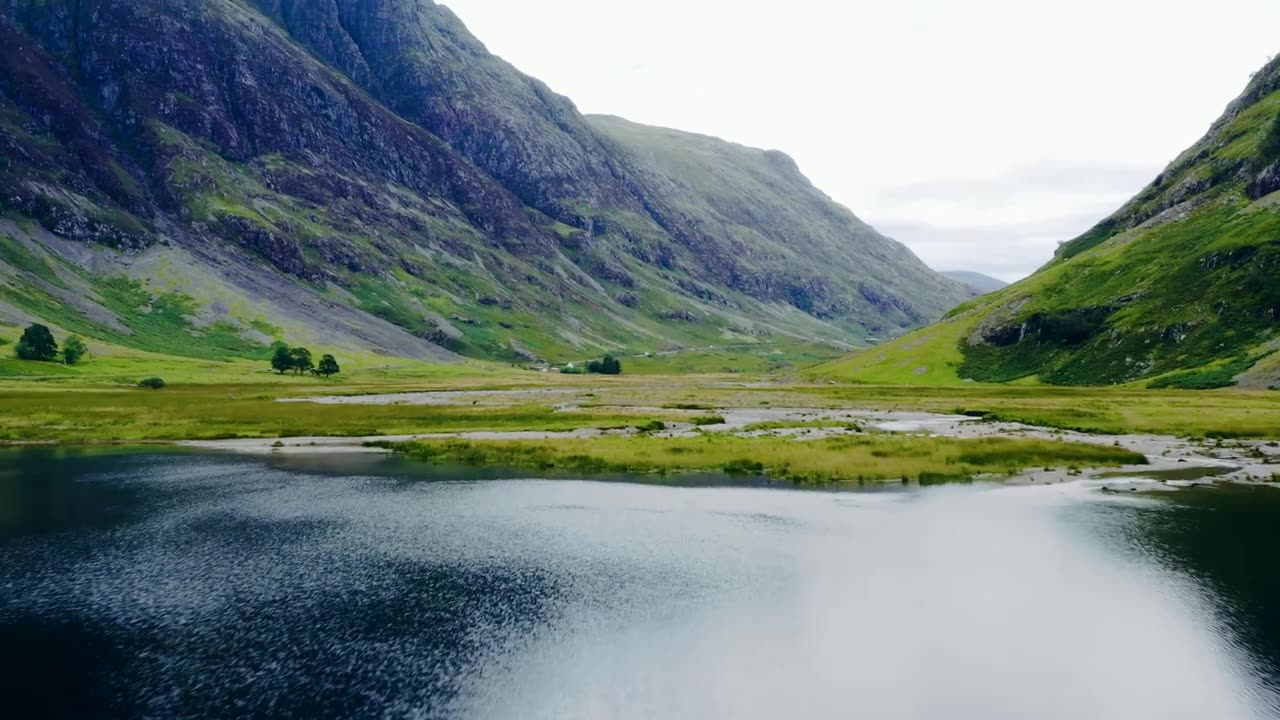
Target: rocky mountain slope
x: 203, y: 177
x: 1181, y: 285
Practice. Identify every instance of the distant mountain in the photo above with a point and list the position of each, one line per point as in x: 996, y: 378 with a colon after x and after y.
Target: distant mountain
x: 1181, y: 285
x: 983, y: 283
x: 203, y: 177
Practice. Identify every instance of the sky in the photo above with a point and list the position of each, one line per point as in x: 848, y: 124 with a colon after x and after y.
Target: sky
x: 981, y: 133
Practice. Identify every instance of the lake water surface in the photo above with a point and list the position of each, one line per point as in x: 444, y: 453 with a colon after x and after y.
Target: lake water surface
x: 164, y: 584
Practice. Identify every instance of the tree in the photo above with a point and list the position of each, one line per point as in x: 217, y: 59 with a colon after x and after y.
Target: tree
x: 300, y: 360
x: 328, y: 366
x: 282, y: 360
x: 74, y: 350
x: 608, y: 366
x: 36, y: 343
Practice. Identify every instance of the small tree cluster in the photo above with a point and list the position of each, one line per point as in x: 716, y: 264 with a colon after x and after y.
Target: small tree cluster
x: 608, y: 366
x: 37, y: 343
x: 298, y: 361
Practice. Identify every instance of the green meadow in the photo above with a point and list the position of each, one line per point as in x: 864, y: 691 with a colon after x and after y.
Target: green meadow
x: 99, y: 402
x: 844, y: 459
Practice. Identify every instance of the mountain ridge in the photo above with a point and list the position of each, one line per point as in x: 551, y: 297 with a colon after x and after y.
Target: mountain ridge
x: 371, y: 161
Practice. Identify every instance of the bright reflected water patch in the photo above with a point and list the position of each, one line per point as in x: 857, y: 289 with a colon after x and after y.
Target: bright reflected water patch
x: 162, y: 585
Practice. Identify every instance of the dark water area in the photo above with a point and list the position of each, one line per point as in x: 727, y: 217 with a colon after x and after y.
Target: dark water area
x: 171, y: 584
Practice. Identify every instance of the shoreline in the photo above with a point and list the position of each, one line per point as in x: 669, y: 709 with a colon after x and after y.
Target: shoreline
x: 1172, y: 462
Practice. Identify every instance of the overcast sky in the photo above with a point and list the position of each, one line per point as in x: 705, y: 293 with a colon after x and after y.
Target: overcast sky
x: 979, y: 132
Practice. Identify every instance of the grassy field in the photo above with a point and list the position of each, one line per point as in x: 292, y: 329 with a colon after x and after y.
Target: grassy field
x: 845, y: 459
x: 753, y: 359
x: 930, y: 356
x: 115, y: 365
x: 211, y: 412
x: 1183, y: 413
x: 100, y: 402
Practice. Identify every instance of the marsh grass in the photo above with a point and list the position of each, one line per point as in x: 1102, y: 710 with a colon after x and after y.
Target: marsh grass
x: 98, y: 400
x: 1182, y: 413
x: 845, y: 459
x: 223, y: 412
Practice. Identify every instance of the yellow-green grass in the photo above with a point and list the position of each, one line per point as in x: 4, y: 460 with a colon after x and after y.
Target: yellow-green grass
x: 843, y: 459
x: 192, y: 412
x: 98, y: 400
x: 112, y: 364
x: 1118, y: 410
x: 930, y: 356
x: 732, y: 359
x: 1184, y: 413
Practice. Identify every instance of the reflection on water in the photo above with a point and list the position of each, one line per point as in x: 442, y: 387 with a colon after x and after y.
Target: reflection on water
x: 177, y: 584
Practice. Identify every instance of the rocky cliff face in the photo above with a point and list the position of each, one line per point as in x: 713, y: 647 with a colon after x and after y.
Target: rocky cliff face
x: 372, y: 155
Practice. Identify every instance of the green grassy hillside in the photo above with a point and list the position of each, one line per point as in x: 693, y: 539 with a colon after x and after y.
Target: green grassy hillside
x: 1179, y: 288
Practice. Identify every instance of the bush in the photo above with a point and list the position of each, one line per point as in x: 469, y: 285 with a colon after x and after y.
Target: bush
x: 708, y: 420
x: 154, y: 383
x: 74, y: 350
x: 743, y: 467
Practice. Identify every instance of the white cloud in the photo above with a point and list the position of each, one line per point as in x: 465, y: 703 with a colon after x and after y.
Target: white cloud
x: 917, y: 114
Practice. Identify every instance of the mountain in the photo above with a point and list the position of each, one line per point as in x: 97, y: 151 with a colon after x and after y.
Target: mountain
x: 1179, y: 288
x: 201, y: 178
x: 982, y: 283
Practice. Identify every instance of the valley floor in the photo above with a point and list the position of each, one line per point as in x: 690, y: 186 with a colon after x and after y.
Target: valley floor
x: 799, y: 431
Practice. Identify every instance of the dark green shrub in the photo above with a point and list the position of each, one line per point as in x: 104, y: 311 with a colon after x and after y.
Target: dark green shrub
x: 743, y: 467
x: 653, y: 426
x: 74, y: 350
x: 154, y: 383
